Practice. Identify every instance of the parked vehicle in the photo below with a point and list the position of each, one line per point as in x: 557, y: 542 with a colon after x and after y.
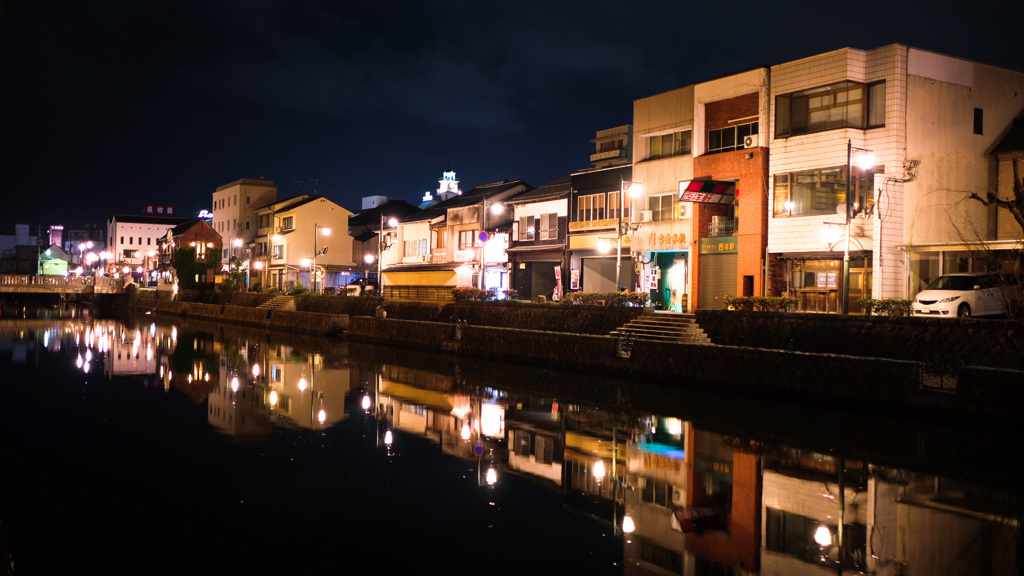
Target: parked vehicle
x: 963, y: 296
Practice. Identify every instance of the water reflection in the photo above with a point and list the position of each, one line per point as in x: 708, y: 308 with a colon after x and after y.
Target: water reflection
x: 688, y: 483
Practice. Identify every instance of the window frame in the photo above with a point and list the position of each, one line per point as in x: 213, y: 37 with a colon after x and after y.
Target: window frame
x: 661, y: 212
x: 474, y: 243
x: 590, y: 205
x: 548, y: 231
x: 795, y: 112
x: 527, y: 228
x: 861, y: 186
x: 737, y: 132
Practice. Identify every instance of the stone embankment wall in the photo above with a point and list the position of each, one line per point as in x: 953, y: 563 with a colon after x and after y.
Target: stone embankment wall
x: 948, y: 343
x: 840, y: 380
x: 290, y: 320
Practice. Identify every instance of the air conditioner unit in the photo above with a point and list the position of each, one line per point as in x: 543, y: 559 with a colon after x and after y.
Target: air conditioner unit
x: 750, y: 141
x: 646, y: 215
x: 678, y: 498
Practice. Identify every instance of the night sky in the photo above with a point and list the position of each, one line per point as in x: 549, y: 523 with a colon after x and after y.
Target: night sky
x: 106, y: 105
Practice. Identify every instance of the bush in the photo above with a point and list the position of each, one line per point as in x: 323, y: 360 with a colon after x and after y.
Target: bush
x: 475, y: 294
x: 297, y: 290
x: 511, y: 294
x: 893, y: 307
x: 607, y: 298
x: 761, y: 303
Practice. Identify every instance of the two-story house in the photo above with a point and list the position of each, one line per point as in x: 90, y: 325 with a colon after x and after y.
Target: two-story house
x: 537, y: 247
x: 303, y: 240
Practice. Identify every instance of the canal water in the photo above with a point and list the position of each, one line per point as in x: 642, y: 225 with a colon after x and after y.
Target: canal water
x: 156, y: 446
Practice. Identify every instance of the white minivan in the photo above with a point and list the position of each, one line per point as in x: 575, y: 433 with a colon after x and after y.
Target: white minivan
x: 961, y: 295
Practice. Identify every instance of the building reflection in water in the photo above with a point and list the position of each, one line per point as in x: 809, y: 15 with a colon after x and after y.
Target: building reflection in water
x: 685, y: 499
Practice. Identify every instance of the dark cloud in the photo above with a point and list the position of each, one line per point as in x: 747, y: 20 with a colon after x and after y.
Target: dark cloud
x: 107, y: 105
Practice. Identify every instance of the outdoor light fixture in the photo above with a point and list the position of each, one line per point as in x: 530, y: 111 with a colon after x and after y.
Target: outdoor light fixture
x: 496, y: 209
x: 312, y: 268
x: 392, y: 222
x: 635, y: 189
x: 865, y: 160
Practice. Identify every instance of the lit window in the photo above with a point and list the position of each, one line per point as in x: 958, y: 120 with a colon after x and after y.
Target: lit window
x: 841, y: 105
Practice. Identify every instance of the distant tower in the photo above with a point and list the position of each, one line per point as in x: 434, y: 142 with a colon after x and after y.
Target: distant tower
x: 448, y: 186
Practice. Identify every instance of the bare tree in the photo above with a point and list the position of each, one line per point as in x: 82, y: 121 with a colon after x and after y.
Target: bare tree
x: 1009, y: 263
x: 1014, y: 205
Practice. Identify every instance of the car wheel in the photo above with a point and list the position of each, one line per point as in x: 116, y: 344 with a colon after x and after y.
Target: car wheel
x: 964, y: 311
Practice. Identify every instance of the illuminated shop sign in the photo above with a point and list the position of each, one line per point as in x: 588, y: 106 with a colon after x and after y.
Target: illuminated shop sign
x: 718, y: 245
x: 707, y: 191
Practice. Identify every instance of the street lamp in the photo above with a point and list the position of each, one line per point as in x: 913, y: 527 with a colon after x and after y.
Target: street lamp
x: 82, y: 247
x: 865, y: 161
x: 392, y: 222
x: 496, y: 209
x: 635, y: 189
x: 312, y: 268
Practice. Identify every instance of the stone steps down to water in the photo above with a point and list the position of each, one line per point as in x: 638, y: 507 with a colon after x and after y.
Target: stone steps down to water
x: 279, y: 303
x: 663, y: 327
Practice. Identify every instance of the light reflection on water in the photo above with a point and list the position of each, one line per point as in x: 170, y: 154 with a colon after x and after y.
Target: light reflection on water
x: 208, y: 448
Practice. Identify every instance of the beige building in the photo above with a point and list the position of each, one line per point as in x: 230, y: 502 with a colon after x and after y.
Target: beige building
x: 234, y: 211
x: 301, y: 234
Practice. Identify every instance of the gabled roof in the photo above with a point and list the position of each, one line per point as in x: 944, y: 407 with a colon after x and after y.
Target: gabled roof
x: 391, y: 209
x: 186, y: 226
x: 558, y: 189
x: 1013, y: 141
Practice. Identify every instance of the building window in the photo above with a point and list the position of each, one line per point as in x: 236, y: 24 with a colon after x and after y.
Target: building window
x: 437, y: 239
x: 590, y: 207
x: 841, y: 105
x: 416, y: 247
x: 549, y: 226
x: 287, y: 223
x: 278, y: 252
x: 729, y: 138
x: 149, y: 241
x: 979, y: 121
x: 668, y: 145
x: 664, y: 558
x: 527, y: 228
x: 658, y: 492
x: 793, y: 534
x: 468, y: 239
x: 660, y: 206
x: 613, y: 206
x: 821, y: 191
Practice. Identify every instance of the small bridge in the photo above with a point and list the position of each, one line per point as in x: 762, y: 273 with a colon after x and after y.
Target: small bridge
x: 33, y: 284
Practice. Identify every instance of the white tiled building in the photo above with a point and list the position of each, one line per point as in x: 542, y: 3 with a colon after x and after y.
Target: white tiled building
x: 929, y: 120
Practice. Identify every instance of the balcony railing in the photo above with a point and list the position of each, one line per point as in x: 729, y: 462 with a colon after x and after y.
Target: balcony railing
x: 721, y: 226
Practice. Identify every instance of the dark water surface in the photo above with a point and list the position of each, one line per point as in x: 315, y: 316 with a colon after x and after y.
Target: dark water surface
x: 138, y: 446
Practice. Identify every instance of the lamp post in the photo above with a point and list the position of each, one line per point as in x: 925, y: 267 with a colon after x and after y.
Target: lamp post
x: 496, y: 208
x: 380, y: 252
x: 82, y: 247
x: 865, y: 161
x: 312, y: 268
x: 635, y: 189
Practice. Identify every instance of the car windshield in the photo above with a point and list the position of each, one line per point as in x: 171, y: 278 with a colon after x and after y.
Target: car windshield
x: 954, y: 283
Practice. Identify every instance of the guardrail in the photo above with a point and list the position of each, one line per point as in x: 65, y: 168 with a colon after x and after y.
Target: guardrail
x: 55, y: 284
